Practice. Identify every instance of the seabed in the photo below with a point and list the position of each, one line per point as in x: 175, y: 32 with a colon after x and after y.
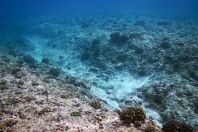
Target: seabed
x: 77, y: 73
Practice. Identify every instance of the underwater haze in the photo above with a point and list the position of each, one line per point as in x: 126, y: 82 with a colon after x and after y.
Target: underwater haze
x: 124, y: 54
x: 61, y: 7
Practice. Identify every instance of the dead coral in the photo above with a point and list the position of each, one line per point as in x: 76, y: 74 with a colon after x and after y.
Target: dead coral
x: 35, y: 83
x: 12, y: 101
x: 2, y: 127
x: 21, y: 115
x: 20, y: 82
x: 3, y: 82
x: 3, y: 86
x: 7, y: 123
x: 29, y: 98
x: 44, y: 111
x: 15, y: 71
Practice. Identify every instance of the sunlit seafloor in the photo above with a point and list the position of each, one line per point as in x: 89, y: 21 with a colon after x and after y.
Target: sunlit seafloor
x: 151, y: 63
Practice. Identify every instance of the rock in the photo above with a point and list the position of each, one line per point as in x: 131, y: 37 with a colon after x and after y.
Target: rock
x: 29, y: 60
x: 139, y: 50
x: 76, y: 82
x: 54, y: 72
x: 165, y: 44
x: 96, y: 104
x: 20, y: 82
x: 3, y: 82
x: 118, y: 39
x: 12, y: 101
x: 29, y: 98
x: 96, y: 42
x: 7, y: 123
x: 44, y: 111
x: 3, y: 87
x: 15, y: 71
x: 193, y: 75
x: 35, y: 83
x: 156, y: 95
x: 21, y: 115
x: 135, y: 36
x: 75, y: 113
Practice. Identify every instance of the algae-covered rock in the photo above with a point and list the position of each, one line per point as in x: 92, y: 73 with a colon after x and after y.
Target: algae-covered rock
x: 96, y: 104
x: 76, y: 113
x: 44, y: 111
x: 165, y: 43
x: 118, y: 38
x: 156, y: 95
x: 3, y: 87
x: 7, y: 123
x: 20, y: 82
x: 12, y: 101
x: 29, y: 98
x: 2, y: 127
x: 29, y: 59
x: 77, y: 82
x: 55, y: 72
x: 3, y: 82
x: 35, y: 83
x: 15, y: 71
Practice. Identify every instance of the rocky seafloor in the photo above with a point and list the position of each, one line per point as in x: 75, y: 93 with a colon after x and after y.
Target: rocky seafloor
x: 39, y: 97
x: 55, y: 69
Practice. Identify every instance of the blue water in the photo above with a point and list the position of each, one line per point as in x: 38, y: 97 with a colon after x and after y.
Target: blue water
x: 37, y: 7
x: 65, y: 29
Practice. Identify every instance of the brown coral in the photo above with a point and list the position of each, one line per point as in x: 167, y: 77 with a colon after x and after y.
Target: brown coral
x: 175, y: 126
x: 132, y: 115
x: 151, y: 128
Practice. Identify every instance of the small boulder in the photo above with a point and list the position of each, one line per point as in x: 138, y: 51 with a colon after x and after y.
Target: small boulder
x: 118, y: 38
x: 55, y: 72
x: 96, y: 104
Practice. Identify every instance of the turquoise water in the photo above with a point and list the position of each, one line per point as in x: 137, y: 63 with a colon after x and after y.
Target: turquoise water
x: 132, y: 52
